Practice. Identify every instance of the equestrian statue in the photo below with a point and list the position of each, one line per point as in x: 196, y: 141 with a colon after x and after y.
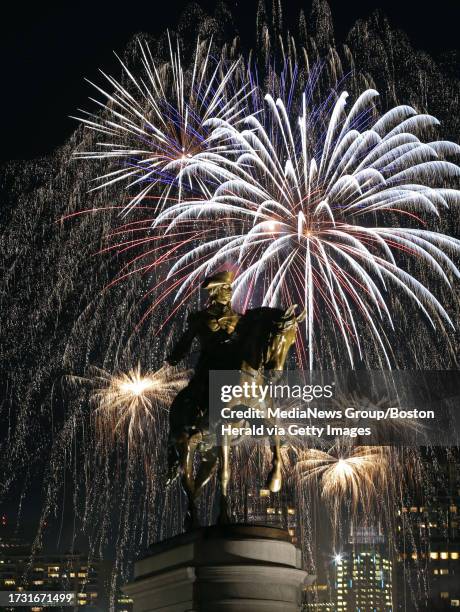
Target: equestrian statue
x: 256, y: 345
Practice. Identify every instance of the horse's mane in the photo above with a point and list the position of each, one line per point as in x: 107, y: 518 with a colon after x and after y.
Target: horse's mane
x: 264, y: 316
x: 255, y: 330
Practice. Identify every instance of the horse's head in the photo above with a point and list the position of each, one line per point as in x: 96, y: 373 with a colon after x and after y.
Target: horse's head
x: 282, y: 338
x: 265, y: 336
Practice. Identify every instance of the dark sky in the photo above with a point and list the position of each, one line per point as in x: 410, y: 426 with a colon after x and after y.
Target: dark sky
x: 48, y: 49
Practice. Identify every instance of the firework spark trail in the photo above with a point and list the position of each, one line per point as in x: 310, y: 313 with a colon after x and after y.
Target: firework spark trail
x: 125, y: 404
x: 158, y: 128
x: 346, y: 474
x: 324, y: 227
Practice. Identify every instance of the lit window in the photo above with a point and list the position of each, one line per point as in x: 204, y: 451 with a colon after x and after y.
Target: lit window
x: 454, y: 555
x: 444, y: 572
x: 444, y: 555
x: 444, y: 595
x: 455, y: 603
x: 9, y: 582
x: 453, y: 509
x: 434, y: 555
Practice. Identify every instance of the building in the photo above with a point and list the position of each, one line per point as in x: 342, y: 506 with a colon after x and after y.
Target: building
x: 319, y: 598
x: 429, y: 541
x: 364, y: 582
x: 20, y: 571
x: 360, y: 577
x: 274, y: 510
x: 123, y: 603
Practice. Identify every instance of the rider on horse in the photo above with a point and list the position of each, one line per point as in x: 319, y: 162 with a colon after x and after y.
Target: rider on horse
x: 248, y: 344
x: 213, y: 327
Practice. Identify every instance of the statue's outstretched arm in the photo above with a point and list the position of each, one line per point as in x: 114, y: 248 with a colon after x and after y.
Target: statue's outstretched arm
x: 183, y: 345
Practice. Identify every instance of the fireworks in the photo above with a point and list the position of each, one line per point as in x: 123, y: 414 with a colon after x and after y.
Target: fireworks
x: 156, y: 124
x: 126, y: 403
x: 335, y: 210
x: 330, y: 218
x: 346, y: 474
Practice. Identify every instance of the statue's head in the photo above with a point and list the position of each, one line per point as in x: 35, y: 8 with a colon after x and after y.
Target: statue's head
x: 219, y: 286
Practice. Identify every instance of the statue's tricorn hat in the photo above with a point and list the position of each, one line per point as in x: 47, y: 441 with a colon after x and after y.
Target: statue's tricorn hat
x: 220, y: 278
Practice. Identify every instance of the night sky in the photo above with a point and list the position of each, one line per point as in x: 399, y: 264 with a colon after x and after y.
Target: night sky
x: 48, y: 49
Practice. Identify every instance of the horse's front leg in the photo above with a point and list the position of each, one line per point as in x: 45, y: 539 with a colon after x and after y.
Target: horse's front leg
x: 224, y: 516
x: 206, y: 471
x: 274, y: 478
x: 186, y: 449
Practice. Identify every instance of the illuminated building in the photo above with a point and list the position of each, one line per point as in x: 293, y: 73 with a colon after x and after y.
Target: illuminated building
x: 273, y: 510
x: 363, y: 582
x: 123, y: 603
x: 358, y: 578
x: 429, y: 543
x: 19, y: 571
x: 318, y: 597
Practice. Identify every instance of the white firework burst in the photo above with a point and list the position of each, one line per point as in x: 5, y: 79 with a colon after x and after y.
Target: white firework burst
x: 155, y: 124
x: 329, y: 217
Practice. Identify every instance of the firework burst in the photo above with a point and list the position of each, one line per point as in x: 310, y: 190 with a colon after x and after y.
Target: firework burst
x: 346, y: 474
x: 126, y: 404
x: 155, y: 125
x: 332, y: 214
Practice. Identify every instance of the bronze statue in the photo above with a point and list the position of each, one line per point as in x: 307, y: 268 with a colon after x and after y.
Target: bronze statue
x: 251, y: 343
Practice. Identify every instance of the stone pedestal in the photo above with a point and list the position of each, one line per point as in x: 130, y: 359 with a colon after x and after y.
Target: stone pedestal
x: 233, y: 568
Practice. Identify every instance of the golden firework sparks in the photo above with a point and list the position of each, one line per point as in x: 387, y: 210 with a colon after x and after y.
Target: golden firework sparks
x: 345, y: 473
x: 127, y: 403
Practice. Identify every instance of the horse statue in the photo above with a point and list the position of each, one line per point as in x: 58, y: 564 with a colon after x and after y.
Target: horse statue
x: 252, y: 344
